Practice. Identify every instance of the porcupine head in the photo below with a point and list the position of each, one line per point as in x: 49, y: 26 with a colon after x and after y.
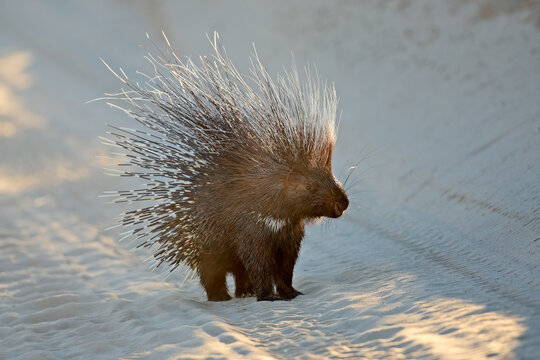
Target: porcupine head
x: 232, y: 166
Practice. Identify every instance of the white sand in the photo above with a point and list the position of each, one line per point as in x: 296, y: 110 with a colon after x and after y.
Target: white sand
x: 438, y: 256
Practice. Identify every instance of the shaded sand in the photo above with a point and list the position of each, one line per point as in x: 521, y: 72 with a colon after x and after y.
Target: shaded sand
x: 437, y: 258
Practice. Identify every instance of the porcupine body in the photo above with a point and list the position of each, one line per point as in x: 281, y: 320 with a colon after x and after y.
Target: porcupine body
x: 234, y: 167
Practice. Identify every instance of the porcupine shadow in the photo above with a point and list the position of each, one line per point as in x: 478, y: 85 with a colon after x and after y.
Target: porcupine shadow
x: 236, y: 172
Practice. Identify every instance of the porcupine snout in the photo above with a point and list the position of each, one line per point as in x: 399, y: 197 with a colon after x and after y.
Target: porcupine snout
x: 341, y: 203
x: 337, y: 202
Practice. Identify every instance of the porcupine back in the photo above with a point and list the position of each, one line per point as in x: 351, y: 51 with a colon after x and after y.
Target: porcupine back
x: 215, y: 142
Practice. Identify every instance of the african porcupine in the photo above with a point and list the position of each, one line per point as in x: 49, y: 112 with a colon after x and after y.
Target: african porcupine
x: 234, y: 171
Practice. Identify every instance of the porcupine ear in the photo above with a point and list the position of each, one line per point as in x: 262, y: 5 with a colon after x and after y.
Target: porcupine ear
x: 290, y: 183
x: 286, y: 180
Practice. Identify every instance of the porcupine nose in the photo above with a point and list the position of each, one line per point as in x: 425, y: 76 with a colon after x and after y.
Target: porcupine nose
x: 341, y: 205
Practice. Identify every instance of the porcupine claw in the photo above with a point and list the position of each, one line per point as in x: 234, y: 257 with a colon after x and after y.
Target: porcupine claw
x: 271, y: 297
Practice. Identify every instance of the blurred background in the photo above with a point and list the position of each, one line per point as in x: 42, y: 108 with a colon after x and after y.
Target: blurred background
x: 440, y: 106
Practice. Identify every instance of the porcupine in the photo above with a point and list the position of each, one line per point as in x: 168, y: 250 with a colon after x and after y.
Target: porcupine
x: 236, y: 166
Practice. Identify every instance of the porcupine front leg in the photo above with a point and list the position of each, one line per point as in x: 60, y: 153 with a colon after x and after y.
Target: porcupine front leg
x: 285, y: 260
x: 213, y: 277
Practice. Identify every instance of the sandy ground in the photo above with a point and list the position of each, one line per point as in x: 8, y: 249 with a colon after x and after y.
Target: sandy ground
x: 437, y: 258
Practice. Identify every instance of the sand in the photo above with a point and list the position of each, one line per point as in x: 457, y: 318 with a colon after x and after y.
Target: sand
x: 437, y: 257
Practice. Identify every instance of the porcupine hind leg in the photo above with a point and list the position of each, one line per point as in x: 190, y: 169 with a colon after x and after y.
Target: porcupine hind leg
x: 243, y: 287
x: 260, y: 266
x: 212, y: 272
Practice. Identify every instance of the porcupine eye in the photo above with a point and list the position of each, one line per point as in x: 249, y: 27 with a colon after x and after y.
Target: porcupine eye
x: 312, y: 188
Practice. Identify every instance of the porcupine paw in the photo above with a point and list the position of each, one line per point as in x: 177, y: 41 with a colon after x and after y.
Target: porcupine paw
x: 244, y: 290
x: 244, y: 293
x: 222, y: 296
x: 269, y: 297
x: 289, y: 294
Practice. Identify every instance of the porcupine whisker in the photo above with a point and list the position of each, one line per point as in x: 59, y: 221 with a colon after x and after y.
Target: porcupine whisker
x: 349, y: 173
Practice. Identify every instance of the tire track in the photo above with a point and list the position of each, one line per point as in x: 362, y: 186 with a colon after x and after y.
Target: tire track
x: 455, y: 252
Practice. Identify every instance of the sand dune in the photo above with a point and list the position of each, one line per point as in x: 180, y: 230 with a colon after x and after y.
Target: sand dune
x: 438, y: 256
